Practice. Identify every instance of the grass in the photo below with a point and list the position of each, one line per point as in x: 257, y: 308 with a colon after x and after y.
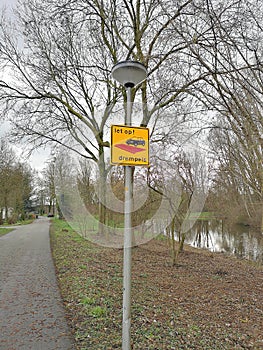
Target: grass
x: 173, y: 307
x: 4, y: 231
x: 8, y: 228
x: 204, y: 215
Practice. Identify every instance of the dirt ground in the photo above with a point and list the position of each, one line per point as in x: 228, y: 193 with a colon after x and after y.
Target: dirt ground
x: 206, y: 301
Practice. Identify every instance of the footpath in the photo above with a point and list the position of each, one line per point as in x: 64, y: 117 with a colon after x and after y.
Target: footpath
x: 31, y: 311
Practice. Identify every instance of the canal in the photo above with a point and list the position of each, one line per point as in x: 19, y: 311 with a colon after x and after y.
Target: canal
x: 239, y: 240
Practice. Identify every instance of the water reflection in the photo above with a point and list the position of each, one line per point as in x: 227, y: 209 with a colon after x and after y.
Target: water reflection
x: 239, y: 240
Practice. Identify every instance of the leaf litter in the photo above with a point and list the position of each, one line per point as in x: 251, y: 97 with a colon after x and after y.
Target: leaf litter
x: 206, y: 301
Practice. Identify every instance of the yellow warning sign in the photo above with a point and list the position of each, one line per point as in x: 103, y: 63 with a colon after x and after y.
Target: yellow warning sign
x: 129, y: 145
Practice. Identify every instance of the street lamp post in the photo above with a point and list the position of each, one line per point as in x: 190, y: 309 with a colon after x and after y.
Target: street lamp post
x: 129, y: 74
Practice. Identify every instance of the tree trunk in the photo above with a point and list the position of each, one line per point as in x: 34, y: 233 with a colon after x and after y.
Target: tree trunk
x: 102, y: 194
x: 1, y: 216
x: 173, y: 251
x: 181, y: 243
x: 6, y: 208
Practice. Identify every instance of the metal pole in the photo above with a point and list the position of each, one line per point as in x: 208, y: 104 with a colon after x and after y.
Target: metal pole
x: 126, y: 321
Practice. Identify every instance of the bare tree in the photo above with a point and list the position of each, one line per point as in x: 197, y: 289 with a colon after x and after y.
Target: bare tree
x: 59, y: 58
x: 48, y: 187
x: 239, y: 155
x: 235, y: 63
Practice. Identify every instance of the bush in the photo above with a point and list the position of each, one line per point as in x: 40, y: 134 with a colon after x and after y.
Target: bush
x: 12, y: 219
x: 31, y: 216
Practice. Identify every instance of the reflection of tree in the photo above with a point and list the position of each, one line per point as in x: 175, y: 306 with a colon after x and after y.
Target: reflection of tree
x: 186, y: 172
x: 237, y: 240
x: 202, y: 233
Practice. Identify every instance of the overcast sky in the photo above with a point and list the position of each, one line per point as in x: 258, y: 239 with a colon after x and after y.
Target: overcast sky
x: 39, y: 157
x: 37, y: 160
x: 8, y: 4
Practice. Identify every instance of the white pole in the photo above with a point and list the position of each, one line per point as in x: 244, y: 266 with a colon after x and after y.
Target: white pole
x: 126, y: 321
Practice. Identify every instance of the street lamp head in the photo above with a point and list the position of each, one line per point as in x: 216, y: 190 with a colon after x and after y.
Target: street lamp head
x: 129, y: 73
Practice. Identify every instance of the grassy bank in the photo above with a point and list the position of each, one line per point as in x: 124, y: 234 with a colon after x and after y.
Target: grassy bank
x: 8, y: 228
x: 207, y: 301
x: 4, y: 231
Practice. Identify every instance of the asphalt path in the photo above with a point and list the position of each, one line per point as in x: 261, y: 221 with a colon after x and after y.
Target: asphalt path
x: 31, y: 311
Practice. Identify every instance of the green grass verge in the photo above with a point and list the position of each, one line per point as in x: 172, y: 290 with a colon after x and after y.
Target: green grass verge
x: 9, y: 228
x: 95, y: 301
x: 4, y: 231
